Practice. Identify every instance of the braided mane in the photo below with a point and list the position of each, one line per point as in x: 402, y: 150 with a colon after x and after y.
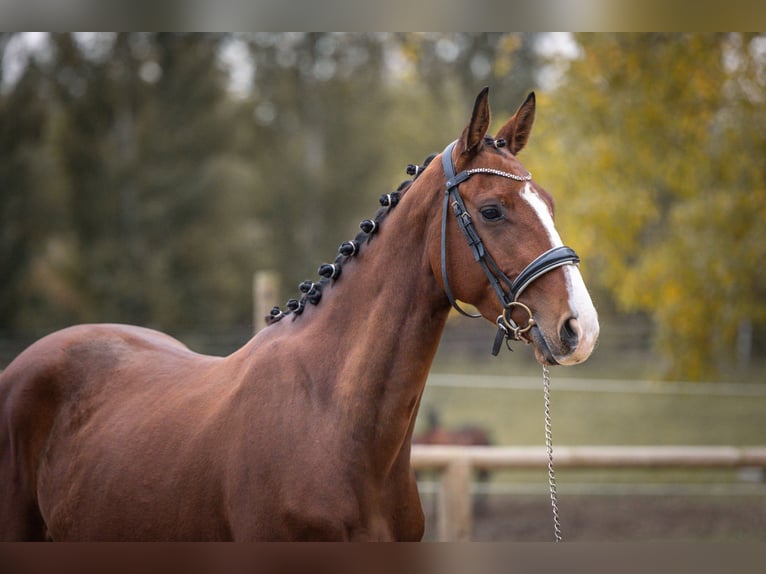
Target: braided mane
x: 312, y: 290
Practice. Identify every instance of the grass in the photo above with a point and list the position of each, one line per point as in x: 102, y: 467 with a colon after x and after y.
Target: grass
x: 515, y: 416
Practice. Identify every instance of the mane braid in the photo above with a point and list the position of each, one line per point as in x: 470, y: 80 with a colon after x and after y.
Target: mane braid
x: 312, y: 291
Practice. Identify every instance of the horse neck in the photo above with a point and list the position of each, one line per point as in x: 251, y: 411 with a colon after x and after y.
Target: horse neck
x: 370, y: 342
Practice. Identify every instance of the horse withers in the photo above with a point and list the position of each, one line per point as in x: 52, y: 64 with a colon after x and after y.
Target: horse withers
x: 116, y: 432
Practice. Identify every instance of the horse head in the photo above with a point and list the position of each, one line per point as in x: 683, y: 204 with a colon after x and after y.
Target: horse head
x: 509, y: 261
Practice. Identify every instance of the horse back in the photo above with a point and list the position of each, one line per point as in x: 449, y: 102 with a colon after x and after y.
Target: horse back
x: 61, y: 366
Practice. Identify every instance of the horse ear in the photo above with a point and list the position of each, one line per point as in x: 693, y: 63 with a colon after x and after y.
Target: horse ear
x: 473, y: 134
x: 516, y: 131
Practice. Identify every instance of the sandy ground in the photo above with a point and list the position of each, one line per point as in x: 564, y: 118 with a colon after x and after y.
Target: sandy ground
x: 616, y: 518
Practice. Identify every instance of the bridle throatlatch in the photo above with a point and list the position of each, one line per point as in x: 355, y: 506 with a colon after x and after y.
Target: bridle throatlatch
x: 507, y: 329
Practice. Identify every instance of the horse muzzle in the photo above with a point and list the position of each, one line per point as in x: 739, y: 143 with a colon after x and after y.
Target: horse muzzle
x: 571, y: 344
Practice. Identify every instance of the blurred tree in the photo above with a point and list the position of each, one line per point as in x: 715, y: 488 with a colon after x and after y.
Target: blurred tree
x: 30, y: 201
x: 454, y: 66
x: 315, y: 93
x: 653, y: 141
x: 118, y: 216
x: 196, y: 222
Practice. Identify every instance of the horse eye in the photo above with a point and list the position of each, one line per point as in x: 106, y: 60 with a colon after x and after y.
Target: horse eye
x: 491, y: 214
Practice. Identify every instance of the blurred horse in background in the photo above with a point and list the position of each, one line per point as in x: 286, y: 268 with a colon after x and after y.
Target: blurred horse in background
x: 464, y: 435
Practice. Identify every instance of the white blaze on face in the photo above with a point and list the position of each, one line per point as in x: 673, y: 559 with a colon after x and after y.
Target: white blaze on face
x: 580, y: 303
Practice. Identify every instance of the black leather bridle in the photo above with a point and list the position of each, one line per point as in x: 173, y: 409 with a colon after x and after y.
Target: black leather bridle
x: 556, y: 257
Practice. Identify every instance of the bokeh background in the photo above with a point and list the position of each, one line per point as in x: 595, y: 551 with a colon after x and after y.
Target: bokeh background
x: 145, y: 178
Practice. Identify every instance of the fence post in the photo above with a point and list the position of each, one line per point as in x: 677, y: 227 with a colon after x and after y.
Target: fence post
x: 454, y: 519
x: 265, y: 296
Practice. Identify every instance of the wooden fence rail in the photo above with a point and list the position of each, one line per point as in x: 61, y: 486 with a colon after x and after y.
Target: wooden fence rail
x: 456, y: 463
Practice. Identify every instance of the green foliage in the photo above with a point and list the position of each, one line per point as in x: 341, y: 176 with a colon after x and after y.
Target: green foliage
x: 121, y: 183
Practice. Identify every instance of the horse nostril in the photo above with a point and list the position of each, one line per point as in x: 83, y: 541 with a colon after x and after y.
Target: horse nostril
x: 570, y: 333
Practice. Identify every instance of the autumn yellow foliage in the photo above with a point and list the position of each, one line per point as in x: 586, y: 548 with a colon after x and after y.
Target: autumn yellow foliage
x: 657, y: 143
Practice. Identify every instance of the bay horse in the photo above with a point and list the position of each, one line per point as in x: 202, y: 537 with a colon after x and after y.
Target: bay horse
x: 116, y: 432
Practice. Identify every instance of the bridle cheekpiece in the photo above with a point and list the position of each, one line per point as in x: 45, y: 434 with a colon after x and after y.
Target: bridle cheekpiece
x: 556, y: 257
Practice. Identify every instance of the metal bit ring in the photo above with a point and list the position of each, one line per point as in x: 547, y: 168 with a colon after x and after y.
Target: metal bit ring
x: 514, y: 331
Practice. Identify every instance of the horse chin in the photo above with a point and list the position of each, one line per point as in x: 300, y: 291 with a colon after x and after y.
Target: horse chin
x: 543, y: 352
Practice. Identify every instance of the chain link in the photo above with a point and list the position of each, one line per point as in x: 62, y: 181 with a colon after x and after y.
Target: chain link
x: 549, y: 451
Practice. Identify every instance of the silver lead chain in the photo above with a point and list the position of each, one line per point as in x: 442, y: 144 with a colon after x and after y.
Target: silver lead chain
x: 549, y: 451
